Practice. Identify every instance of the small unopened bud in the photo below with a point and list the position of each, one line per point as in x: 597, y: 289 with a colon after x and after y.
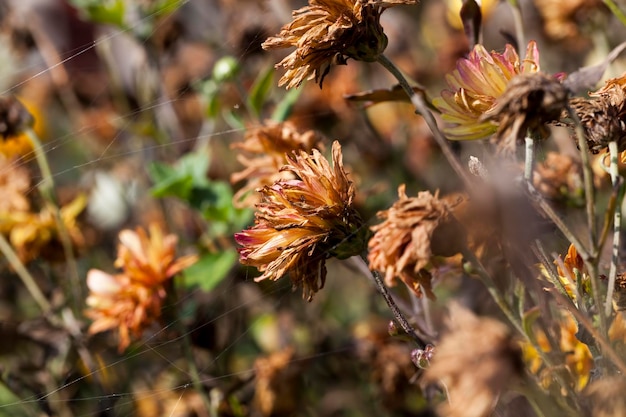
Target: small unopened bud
x: 422, y: 357
x: 392, y: 328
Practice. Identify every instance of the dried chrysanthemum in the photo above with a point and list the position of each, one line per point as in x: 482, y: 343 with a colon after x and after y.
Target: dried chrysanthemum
x: 475, y: 86
x: 268, y: 147
x: 37, y: 234
x: 603, y: 115
x: 529, y: 102
x: 561, y: 19
x: 132, y: 301
x: 475, y: 361
x: 276, y: 388
x: 14, y: 185
x: 557, y: 177
x: 606, y: 398
x: 575, y: 354
x: 328, y: 32
x: 412, y: 232
x: 302, y: 222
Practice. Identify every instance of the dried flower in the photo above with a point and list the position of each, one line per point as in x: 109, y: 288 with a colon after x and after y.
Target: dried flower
x: 557, y: 177
x: 328, y: 32
x: 528, y: 103
x: 276, y: 388
x: 406, y: 241
x: 475, y: 86
x: 36, y: 234
x: 561, y: 19
x: 603, y: 115
x: 302, y: 222
x: 475, y: 360
x: 574, y: 353
x: 606, y: 396
x: 14, y: 186
x: 132, y: 301
x: 268, y: 146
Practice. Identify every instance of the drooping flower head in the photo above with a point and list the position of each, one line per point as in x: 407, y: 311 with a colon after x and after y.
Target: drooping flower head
x: 405, y: 242
x: 302, y: 222
x: 267, y: 147
x: 475, y: 86
x: 328, y: 32
x: 131, y: 301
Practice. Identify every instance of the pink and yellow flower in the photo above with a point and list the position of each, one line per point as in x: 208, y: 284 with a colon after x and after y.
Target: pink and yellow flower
x: 475, y: 86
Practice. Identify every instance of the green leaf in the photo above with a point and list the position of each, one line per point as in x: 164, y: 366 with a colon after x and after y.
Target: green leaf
x: 169, y: 182
x: 210, y: 270
x: 102, y: 11
x: 284, y: 108
x: 260, y: 90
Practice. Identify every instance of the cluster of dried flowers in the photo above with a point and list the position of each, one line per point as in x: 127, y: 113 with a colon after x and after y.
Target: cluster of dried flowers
x: 131, y: 301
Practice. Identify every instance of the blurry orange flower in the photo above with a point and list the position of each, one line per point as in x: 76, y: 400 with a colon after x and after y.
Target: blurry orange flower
x: 302, y: 222
x: 476, y: 84
x: 132, y: 301
x: 267, y: 147
x: 328, y: 32
x: 402, y: 245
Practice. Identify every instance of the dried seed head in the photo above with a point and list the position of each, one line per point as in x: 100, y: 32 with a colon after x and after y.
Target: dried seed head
x: 14, y: 118
x: 529, y: 102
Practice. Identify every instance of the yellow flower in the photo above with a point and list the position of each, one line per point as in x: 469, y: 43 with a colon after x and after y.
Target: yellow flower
x: 402, y: 245
x: 328, y: 32
x: 36, y: 234
x: 132, y: 301
x: 267, y: 147
x: 476, y: 84
x: 302, y: 222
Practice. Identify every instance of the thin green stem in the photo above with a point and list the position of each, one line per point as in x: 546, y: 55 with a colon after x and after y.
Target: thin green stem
x: 25, y: 276
x: 397, y: 314
x: 46, y: 188
x: 617, y: 12
x: 617, y: 220
x: 421, y: 107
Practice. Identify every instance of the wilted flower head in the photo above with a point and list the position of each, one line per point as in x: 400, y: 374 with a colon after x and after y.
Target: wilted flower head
x: 558, y: 176
x: 328, y: 32
x: 528, y: 103
x: 14, y: 186
x: 268, y: 147
x: 603, y: 115
x: 475, y: 86
x: 475, y: 360
x: 408, y: 238
x: 132, y: 301
x: 302, y: 222
x: 562, y: 19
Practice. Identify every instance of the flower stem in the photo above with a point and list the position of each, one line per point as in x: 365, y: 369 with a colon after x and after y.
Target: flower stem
x: 529, y: 159
x: 46, y: 188
x: 617, y: 12
x: 380, y: 285
x: 420, y: 106
x: 25, y: 276
x: 617, y: 220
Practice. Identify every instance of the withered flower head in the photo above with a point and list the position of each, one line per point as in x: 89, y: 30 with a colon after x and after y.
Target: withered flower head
x: 606, y: 398
x: 14, y: 186
x: 132, y: 301
x: 529, y: 102
x: 411, y: 234
x: 328, y: 32
x: 558, y: 176
x: 603, y: 115
x: 276, y: 383
x: 302, y: 222
x: 267, y: 147
x: 475, y: 360
x: 562, y: 19
x: 476, y: 84
x: 14, y: 118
